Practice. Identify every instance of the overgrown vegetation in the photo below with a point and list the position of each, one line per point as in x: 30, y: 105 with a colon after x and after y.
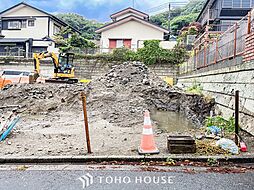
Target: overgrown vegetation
x: 180, y: 17
x: 226, y: 125
x: 150, y: 54
x: 195, y: 88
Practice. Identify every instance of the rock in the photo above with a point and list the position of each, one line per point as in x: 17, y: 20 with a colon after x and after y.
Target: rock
x: 145, y: 82
x: 199, y: 137
x: 46, y: 125
x: 125, y: 80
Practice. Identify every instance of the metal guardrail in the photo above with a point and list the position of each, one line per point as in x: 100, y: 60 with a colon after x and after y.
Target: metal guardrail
x: 228, y: 45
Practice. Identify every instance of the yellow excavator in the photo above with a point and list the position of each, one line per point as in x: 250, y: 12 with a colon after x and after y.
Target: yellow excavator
x: 63, y: 67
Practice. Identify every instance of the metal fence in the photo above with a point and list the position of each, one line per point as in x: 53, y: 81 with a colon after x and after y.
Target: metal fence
x: 77, y: 51
x: 228, y: 45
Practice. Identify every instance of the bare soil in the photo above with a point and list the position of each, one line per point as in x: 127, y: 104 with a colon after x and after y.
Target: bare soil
x: 52, y: 117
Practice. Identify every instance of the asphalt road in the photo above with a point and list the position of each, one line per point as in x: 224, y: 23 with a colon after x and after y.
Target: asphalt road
x: 118, y: 178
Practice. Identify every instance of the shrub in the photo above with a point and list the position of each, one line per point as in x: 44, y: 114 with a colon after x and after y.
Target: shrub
x: 124, y: 54
x: 219, y: 121
x: 150, y: 54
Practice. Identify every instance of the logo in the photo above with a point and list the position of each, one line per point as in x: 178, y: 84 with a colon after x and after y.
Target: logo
x: 86, y: 180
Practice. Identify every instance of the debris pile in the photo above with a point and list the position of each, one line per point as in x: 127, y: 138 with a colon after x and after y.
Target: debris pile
x: 120, y: 97
x: 40, y: 98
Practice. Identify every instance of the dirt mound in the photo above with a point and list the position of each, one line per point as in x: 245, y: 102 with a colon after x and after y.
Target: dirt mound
x: 121, y: 96
x: 41, y: 98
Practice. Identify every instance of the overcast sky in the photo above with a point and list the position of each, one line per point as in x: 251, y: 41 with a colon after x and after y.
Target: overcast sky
x: 91, y: 9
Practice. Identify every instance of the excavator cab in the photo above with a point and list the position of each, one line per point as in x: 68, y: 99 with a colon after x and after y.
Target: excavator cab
x: 65, y: 62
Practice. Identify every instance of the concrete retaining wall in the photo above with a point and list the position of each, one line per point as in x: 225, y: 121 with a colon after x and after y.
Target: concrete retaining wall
x: 222, y: 84
x: 85, y: 68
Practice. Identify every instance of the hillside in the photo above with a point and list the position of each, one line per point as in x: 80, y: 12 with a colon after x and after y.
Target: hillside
x: 180, y: 17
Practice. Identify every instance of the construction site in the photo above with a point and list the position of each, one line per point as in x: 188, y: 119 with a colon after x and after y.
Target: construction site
x: 51, y: 120
x: 100, y: 107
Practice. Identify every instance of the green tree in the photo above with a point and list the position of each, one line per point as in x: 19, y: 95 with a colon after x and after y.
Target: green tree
x: 179, y: 22
x: 75, y: 41
x: 85, y: 26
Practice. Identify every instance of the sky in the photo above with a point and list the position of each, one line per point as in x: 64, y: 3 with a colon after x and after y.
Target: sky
x: 99, y: 10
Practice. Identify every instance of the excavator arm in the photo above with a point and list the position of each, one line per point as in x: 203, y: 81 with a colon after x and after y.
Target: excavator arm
x: 39, y: 56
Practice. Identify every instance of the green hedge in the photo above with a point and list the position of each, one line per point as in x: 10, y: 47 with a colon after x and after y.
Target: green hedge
x: 150, y: 54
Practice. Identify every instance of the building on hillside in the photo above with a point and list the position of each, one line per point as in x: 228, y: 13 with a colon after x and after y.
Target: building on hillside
x: 26, y: 29
x: 129, y: 28
x: 224, y: 13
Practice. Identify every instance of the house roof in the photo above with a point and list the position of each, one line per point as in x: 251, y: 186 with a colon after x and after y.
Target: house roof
x: 127, y: 10
x: 13, y: 40
x: 203, y: 9
x: 127, y: 19
x: 50, y: 15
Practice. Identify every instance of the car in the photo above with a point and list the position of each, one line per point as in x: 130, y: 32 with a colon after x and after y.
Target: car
x: 8, y: 74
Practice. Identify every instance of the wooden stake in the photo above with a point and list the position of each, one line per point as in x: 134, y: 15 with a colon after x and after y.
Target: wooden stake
x: 83, y: 97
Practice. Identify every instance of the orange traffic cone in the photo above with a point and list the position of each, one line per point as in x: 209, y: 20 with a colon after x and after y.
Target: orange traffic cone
x: 147, y: 145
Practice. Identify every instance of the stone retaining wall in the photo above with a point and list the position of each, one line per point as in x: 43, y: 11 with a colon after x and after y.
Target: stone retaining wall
x: 85, y: 68
x: 221, y: 84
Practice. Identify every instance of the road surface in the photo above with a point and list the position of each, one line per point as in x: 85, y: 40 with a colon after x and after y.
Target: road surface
x: 91, y: 177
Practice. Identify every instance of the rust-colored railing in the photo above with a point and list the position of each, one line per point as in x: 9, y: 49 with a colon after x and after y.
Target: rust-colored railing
x: 220, y: 47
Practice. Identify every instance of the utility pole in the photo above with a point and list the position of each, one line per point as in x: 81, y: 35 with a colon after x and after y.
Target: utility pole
x: 169, y: 21
x: 133, y: 4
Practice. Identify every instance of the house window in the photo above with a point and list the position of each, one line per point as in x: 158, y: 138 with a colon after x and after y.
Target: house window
x: 56, y: 29
x: 23, y: 23
x: 238, y: 3
x: 31, y: 23
x: 14, y: 25
x: 227, y: 3
x: 246, y: 3
x: 119, y: 43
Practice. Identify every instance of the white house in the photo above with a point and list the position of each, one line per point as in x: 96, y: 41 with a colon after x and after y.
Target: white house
x: 129, y: 28
x: 27, y: 29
